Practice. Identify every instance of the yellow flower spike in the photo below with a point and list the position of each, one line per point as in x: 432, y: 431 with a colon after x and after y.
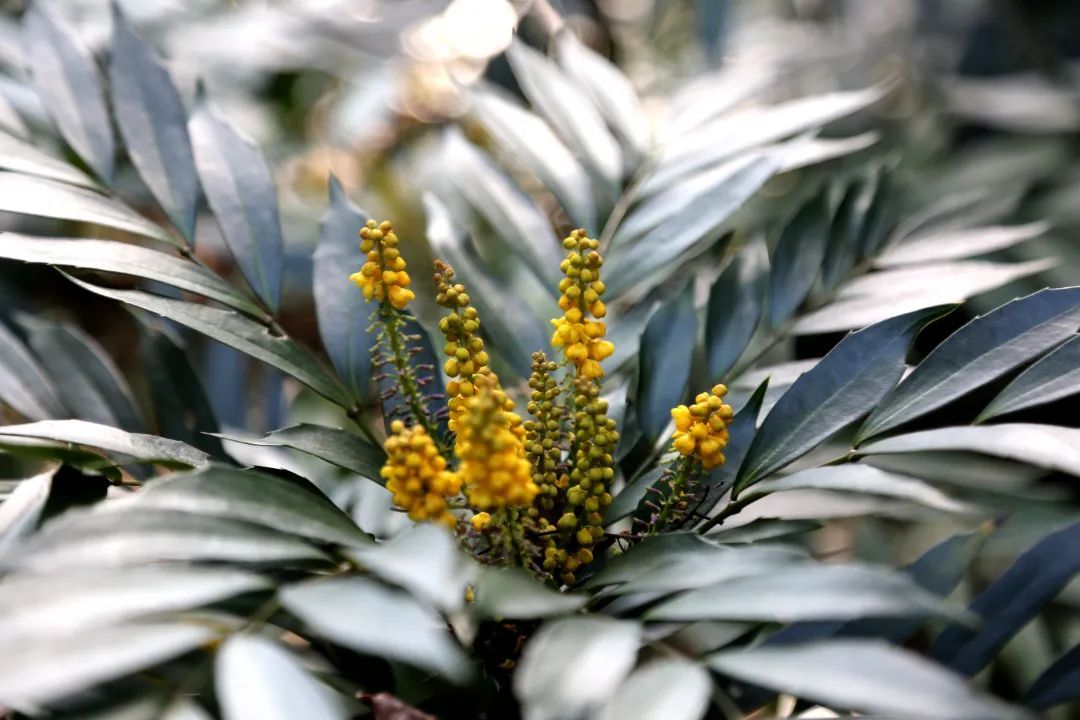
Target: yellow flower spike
x: 577, y: 334
x: 383, y: 276
x: 416, y: 475
x: 701, y: 429
x: 493, y: 468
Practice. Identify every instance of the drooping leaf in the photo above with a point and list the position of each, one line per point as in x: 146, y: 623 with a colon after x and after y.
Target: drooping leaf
x: 957, y: 244
x: 37, y: 500
x: 1011, y: 602
x: 847, y: 383
x: 509, y: 594
x: 340, y: 308
x: 134, y: 446
x: 664, y: 362
x: 984, y: 349
x: 869, y: 676
x: 238, y: 332
x: 735, y: 307
x: 1053, y: 377
x: 367, y: 617
x: 425, y: 560
x: 23, y: 383
x: 257, y: 679
x: 797, y: 259
x: 67, y: 80
x: 127, y: 259
x: 29, y: 195
x: 574, y: 664
x: 243, y: 196
x: 337, y: 447
x: 665, y: 689
x: 22, y: 157
x: 1059, y: 683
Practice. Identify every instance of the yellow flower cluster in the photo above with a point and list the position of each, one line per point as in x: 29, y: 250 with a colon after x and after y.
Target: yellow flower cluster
x: 580, y: 337
x: 543, y: 436
x: 493, y: 467
x: 383, y: 276
x: 416, y: 474
x: 701, y: 429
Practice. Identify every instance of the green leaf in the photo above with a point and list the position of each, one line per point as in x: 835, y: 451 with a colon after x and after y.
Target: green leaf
x: 569, y: 111
x: 741, y: 431
x: 122, y: 534
x: 1055, y: 376
x: 848, y: 383
x: 868, y: 676
x: 956, y: 244
x: 843, y: 247
x: 1046, y: 446
x: 288, y: 505
x: 664, y: 362
x: 34, y: 674
x: 136, y: 447
x: 87, y: 380
x: 340, y: 308
x: 23, y: 383
x: 29, y: 195
x: 127, y: 259
x: 257, y: 679
x: 367, y: 617
x: 572, y: 665
x: 337, y: 447
x: 66, y: 79
x: 763, y: 530
x: 664, y: 689
x: 512, y: 594
x: 1011, y: 602
x: 22, y: 157
x: 797, y: 259
x: 807, y: 592
x: 243, y: 196
x: 37, y: 500
x: 628, y: 499
x: 1059, y: 683
x: 238, y: 332
x: 425, y: 560
x: 735, y: 307
x: 982, y: 350
x: 151, y: 118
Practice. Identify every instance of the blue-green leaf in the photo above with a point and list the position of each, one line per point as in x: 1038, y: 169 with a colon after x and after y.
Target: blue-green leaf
x: 956, y: 244
x: 22, y: 157
x: 1059, y: 683
x: 1055, y: 376
x: 986, y: 348
x: 664, y: 362
x: 39, y: 499
x: 152, y: 121
x: 848, y: 383
x: 741, y: 431
x: 23, y: 383
x: 735, y: 305
x: 842, y: 249
x: 135, y: 446
x: 243, y: 196
x: 797, y: 259
x: 337, y: 447
x: 67, y: 80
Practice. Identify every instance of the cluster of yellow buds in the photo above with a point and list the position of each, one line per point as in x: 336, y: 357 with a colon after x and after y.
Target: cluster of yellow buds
x: 493, y: 467
x: 417, y: 476
x: 464, y: 348
x: 383, y: 276
x: 581, y: 337
x: 701, y: 429
x: 544, y: 434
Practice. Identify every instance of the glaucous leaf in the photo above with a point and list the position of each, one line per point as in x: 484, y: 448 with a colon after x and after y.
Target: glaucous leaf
x: 10, y: 121
x: 1055, y: 376
x: 957, y: 244
x: 741, y: 431
x: 338, y: 447
x: 22, y: 157
x: 842, y: 249
x: 797, y: 259
x: 37, y: 500
x: 735, y: 307
x: 664, y: 362
x: 664, y: 689
x: 425, y: 560
x: 24, y: 386
x: 134, y: 446
x: 1059, y: 683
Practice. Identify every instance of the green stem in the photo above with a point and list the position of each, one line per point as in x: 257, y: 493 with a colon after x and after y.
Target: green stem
x: 407, y: 385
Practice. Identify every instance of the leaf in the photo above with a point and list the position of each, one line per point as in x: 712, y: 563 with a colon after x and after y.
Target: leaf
x: 881, y: 295
x: 848, y: 382
x: 797, y: 259
x: 735, y: 307
x: 238, y: 332
x: 956, y: 244
x: 569, y: 111
x: 1011, y: 602
x: 23, y: 384
x: 370, y: 618
x: 38, y: 499
x: 984, y: 349
x: 257, y: 679
x: 127, y: 259
x: 243, y: 196
x: 151, y: 118
x: 122, y: 534
x: 572, y: 665
x: 340, y: 308
x: 22, y: 157
x: 628, y: 499
x: 139, y: 448
x: 289, y: 505
x: 688, y: 230
x: 765, y: 529
x: 1059, y: 683
x: 807, y: 592
x: 33, y: 674
x: 664, y: 362
x: 863, y: 479
x: 510, y: 594
x: 66, y: 79
x: 337, y: 447
x: 1055, y: 376
x: 425, y: 560
x: 29, y: 195
x: 868, y: 676
x: 10, y: 122
x: 664, y: 689
x: 843, y: 246
x: 36, y: 607
x: 86, y: 378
